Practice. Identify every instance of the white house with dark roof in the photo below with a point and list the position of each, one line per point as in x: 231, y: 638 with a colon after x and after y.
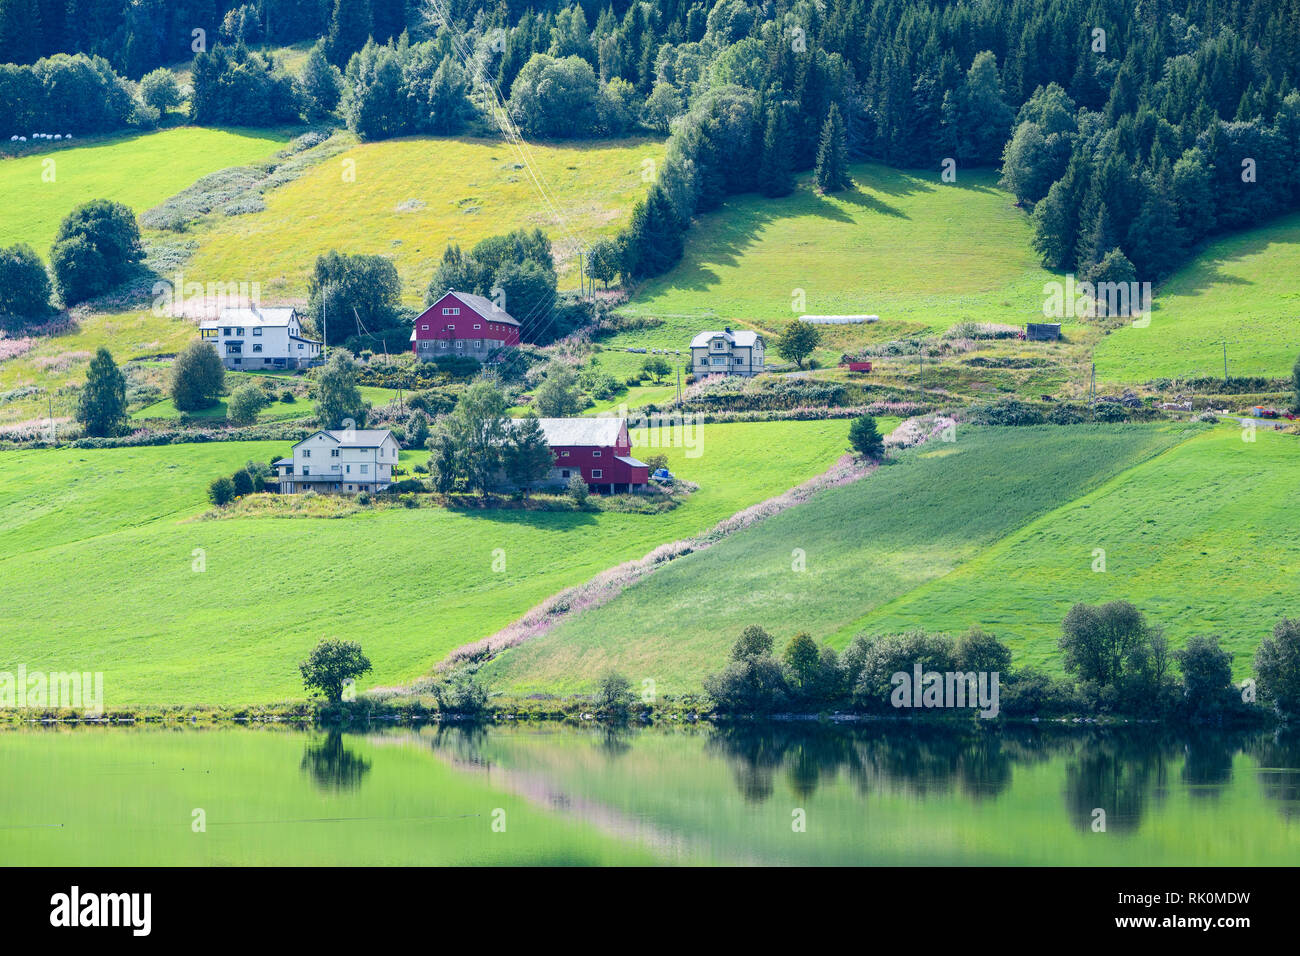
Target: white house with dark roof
x: 339, y: 461
x: 256, y: 339
x: 727, y: 353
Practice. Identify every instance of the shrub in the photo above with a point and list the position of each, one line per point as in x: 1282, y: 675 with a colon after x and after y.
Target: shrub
x: 221, y: 492
x: 1006, y: 411
x: 578, y: 489
x: 24, y: 286
x: 614, y: 694
x: 245, y: 403
x: 197, y: 377
x: 94, y: 249
x: 1207, y: 676
x: 242, y: 482
x: 1277, y: 668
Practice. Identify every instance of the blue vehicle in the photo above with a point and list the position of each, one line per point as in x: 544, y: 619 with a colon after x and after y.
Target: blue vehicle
x: 662, y: 475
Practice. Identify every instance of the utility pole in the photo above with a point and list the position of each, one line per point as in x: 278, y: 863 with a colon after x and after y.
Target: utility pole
x: 1092, y: 386
x: 921, y: 352
x: 54, y: 429
x: 1225, y: 361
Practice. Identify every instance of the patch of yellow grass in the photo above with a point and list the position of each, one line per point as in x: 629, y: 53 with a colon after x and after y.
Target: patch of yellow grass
x: 408, y: 198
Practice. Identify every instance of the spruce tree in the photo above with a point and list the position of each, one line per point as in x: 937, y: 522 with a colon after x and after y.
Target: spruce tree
x: 832, y: 173
x: 776, y: 164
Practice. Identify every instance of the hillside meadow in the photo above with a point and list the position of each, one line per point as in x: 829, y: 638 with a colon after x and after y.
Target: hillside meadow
x: 1201, y: 538
x: 139, y: 170
x: 409, y: 198
x: 1240, y: 291
x: 921, y: 254
x: 109, y: 566
x: 823, y: 565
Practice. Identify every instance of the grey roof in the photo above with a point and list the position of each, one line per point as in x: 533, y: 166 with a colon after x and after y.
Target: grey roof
x: 358, y: 438
x: 596, y: 432
x: 484, y: 307
x: 745, y: 338
x: 282, y: 461
x: 269, y: 317
x: 629, y: 460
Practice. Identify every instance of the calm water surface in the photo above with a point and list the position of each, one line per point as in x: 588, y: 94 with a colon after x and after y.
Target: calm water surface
x: 789, y: 794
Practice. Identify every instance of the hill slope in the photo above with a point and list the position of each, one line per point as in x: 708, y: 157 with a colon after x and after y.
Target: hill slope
x: 138, y: 170
x: 910, y: 523
x: 1241, y: 290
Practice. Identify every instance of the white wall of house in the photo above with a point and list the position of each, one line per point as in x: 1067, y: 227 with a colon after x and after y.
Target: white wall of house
x: 244, y: 344
x: 320, y: 461
x: 723, y: 357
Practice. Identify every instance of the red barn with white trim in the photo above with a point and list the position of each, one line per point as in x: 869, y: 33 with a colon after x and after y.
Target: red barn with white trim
x: 463, y: 325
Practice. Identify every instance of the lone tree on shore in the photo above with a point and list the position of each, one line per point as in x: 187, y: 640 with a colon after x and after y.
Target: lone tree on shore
x: 331, y: 665
x: 865, y: 438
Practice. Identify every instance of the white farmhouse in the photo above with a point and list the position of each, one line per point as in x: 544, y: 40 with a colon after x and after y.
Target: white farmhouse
x: 727, y: 353
x: 260, y: 338
x: 341, y: 461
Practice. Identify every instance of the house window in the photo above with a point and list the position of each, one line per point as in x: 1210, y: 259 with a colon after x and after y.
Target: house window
x: 241, y: 330
x: 719, y: 359
x: 349, y: 468
x: 365, y: 469
x: 334, y: 467
x: 334, y: 452
x: 564, y: 454
x: 596, y: 453
x: 234, y: 348
x: 257, y: 347
x: 442, y: 344
x: 299, y: 346
x: 225, y: 331
x: 424, y: 328
x: 477, y: 325
x: 448, y: 311
x: 257, y: 331
x: 478, y: 343
x: 564, y: 473
x: 596, y: 472
x: 306, y: 470
x: 306, y: 453
x: 238, y: 361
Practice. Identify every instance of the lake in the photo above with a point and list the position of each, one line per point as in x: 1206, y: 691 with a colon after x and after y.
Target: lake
x: 879, y: 793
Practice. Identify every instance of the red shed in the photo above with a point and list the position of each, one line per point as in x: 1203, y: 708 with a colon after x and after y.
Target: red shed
x: 463, y: 324
x: 859, y: 366
x: 597, y: 448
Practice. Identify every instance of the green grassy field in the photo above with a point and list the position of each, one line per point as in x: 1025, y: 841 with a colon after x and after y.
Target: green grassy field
x: 140, y: 170
x: 921, y: 254
x: 98, y: 552
x: 1201, y: 538
x: 411, y: 197
x: 912, y: 524
x: 1240, y: 291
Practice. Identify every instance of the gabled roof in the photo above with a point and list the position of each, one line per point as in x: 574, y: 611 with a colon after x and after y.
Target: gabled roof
x: 744, y: 338
x: 358, y: 438
x: 276, y: 317
x: 484, y: 307
x: 594, y: 432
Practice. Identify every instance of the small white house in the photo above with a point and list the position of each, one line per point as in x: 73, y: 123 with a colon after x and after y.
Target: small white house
x: 260, y: 339
x: 340, y: 462
x: 727, y: 353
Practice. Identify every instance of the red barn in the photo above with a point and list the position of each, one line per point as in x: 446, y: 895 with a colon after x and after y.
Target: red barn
x: 596, y: 448
x: 462, y: 324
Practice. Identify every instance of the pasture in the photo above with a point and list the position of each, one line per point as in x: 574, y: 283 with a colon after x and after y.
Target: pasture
x: 109, y: 567
x: 913, y: 522
x: 1239, y: 292
x: 137, y: 169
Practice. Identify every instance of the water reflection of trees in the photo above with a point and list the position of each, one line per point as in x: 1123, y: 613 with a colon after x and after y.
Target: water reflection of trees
x: 331, y: 765
x: 1123, y: 771
x: 1277, y: 757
